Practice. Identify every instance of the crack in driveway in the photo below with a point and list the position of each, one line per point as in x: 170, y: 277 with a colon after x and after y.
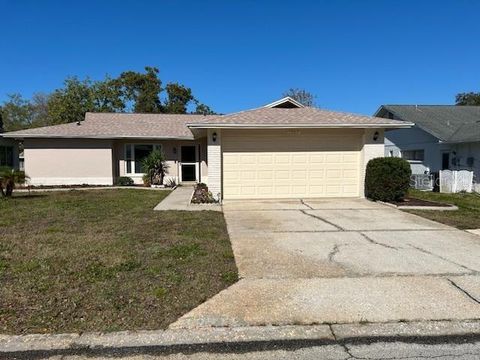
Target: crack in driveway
x: 321, y: 219
x: 458, y: 287
x: 441, y: 258
x: 377, y: 243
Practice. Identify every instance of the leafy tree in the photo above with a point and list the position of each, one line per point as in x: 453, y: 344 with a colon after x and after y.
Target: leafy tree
x: 178, y: 98
x: 70, y: 103
x: 469, y: 98
x: 140, y: 92
x: 17, y: 113
x: 1, y: 121
x: 39, y: 105
x: 203, y: 109
x: 142, y: 89
x: 302, y: 96
x: 107, y: 96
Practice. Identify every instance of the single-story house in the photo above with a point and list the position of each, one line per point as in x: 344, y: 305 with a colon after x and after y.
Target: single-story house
x: 9, y: 156
x: 444, y: 137
x: 281, y: 150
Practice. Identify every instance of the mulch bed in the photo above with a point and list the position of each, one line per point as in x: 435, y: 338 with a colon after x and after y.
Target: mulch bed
x: 408, y: 201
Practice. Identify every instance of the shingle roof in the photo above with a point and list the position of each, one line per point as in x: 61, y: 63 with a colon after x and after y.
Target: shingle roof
x: 305, y: 116
x: 450, y: 123
x: 118, y: 126
x: 166, y: 126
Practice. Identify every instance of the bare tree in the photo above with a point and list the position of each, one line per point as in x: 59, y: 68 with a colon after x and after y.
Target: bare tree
x: 302, y: 96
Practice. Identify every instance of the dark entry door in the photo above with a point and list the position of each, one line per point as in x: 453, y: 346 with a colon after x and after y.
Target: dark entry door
x: 445, y: 161
x: 189, y: 163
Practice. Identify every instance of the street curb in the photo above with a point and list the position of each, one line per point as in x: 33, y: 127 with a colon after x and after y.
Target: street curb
x: 37, y: 346
x: 47, y: 342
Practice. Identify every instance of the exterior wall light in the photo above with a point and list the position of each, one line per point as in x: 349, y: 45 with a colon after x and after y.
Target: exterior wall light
x: 214, y: 137
x: 375, y: 136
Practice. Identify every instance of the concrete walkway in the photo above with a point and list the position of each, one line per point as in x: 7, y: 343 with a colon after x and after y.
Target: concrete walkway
x: 342, y: 261
x: 179, y: 199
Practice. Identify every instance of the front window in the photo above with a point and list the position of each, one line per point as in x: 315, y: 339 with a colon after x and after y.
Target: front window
x: 6, y: 156
x: 413, y: 155
x: 134, y: 155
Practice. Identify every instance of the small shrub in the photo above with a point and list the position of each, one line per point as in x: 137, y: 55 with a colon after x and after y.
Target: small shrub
x: 387, y: 179
x: 201, y: 195
x: 155, y: 167
x: 125, y: 181
x: 146, y: 180
x: 9, y: 178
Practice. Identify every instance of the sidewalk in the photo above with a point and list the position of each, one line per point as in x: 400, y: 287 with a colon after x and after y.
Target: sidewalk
x: 179, y: 199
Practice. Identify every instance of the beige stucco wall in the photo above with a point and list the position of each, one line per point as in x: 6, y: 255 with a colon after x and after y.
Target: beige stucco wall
x: 68, y: 161
x: 171, y: 149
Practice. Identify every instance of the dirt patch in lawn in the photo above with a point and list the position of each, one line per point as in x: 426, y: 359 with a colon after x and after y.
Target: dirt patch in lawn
x: 103, y: 260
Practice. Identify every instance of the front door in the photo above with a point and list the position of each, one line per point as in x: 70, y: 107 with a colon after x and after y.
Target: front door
x: 445, y: 161
x: 188, y: 160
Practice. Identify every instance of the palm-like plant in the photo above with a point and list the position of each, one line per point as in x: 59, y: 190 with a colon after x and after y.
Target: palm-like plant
x: 8, y: 178
x: 154, y: 166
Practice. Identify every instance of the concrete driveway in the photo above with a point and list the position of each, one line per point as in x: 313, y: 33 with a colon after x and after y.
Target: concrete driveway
x: 341, y: 261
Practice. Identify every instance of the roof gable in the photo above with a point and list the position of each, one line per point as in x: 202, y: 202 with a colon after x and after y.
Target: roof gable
x: 285, y: 103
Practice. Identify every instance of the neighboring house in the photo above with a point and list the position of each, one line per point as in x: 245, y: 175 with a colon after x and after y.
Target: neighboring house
x: 444, y: 137
x: 281, y: 150
x: 8, y: 153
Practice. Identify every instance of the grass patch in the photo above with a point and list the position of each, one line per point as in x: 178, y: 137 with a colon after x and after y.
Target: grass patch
x: 103, y: 260
x: 466, y: 217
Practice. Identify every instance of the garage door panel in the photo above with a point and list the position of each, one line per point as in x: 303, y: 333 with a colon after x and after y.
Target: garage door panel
x: 265, y: 159
x: 350, y: 174
x: 286, y: 166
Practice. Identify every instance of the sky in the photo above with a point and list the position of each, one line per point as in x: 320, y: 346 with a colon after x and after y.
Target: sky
x: 240, y: 54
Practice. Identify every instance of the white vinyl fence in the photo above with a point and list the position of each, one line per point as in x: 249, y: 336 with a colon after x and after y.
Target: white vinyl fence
x: 456, y: 181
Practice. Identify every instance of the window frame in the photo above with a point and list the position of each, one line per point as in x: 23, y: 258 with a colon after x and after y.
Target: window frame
x: 131, y: 161
x: 6, y: 156
x: 414, y: 158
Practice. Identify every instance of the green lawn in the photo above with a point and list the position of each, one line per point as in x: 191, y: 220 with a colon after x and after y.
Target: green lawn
x: 103, y: 260
x: 466, y: 217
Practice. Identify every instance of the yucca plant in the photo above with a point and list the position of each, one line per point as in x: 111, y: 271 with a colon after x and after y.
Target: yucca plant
x: 8, y: 178
x: 155, y: 166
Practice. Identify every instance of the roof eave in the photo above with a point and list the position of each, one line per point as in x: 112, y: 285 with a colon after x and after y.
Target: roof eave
x: 96, y: 137
x: 459, y: 141
x: 296, y: 126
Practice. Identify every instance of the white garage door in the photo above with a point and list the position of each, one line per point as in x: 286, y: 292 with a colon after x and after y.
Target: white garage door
x: 290, y: 163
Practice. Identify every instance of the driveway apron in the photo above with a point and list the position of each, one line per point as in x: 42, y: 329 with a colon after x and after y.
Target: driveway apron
x: 312, y: 261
